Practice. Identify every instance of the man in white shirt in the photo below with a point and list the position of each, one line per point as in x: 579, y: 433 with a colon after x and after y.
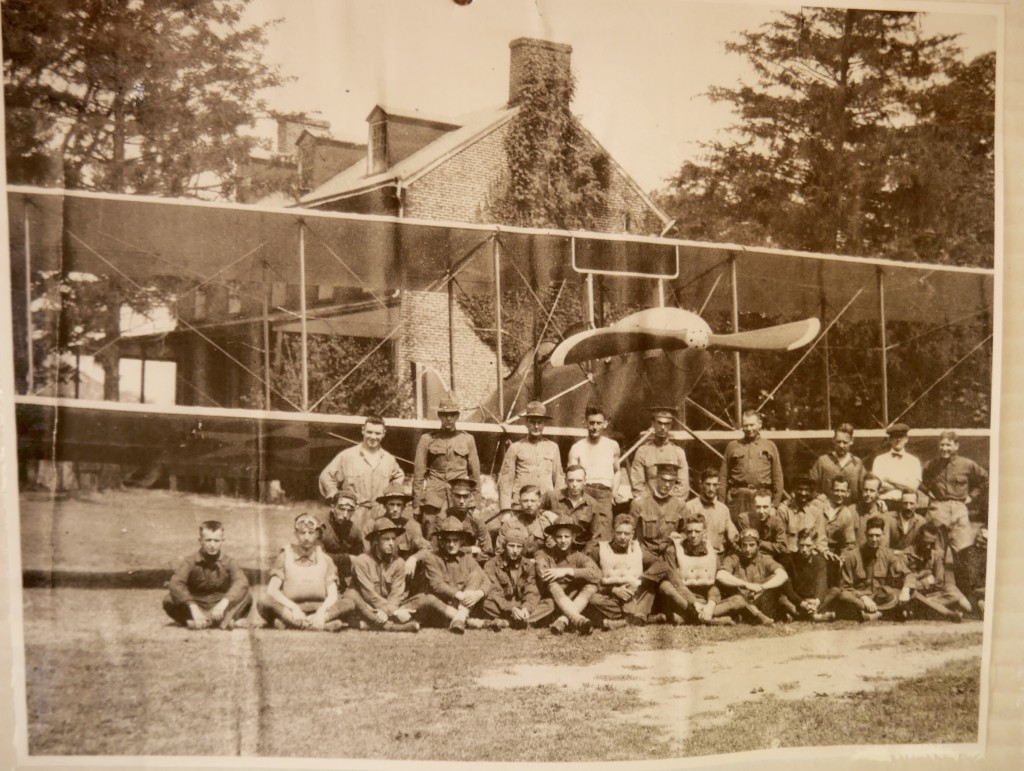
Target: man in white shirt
x: 599, y: 457
x: 899, y: 470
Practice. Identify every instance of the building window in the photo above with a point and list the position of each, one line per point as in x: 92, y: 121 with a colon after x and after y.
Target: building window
x: 378, y: 147
x: 278, y: 294
x: 324, y: 293
x: 199, y: 309
x: 234, y: 301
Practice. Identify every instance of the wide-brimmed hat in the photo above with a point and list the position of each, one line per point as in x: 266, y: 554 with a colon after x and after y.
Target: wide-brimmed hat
x: 536, y: 409
x: 448, y: 406
x: 394, y: 490
x: 384, y: 525
x: 455, y: 525
x: 563, y: 521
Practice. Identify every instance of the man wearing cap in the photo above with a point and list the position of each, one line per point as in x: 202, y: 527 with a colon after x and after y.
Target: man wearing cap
x: 935, y: 592
x: 366, y: 468
x: 658, y: 450
x: 690, y: 591
x: 442, y: 455
x: 302, y: 592
x: 630, y: 576
x: 531, y: 517
x: 380, y: 580
x: 598, y: 456
x: 953, y: 481
x: 659, y: 514
x: 839, y: 462
x: 530, y: 461
x: 574, y: 501
x: 899, y: 470
x: 721, y: 530
x: 750, y: 463
x: 410, y: 543
x: 339, y: 536
x: 456, y: 584
x: 753, y: 575
x: 875, y: 579
x: 462, y: 506
x: 513, y: 597
x: 568, y: 577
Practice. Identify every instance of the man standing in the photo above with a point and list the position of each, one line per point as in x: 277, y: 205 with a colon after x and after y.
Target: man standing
x: 513, y: 597
x: 875, y: 579
x: 208, y: 588
x: 953, y: 481
x: 659, y: 513
x: 657, y: 451
x: 380, y: 580
x: 441, y: 456
x: 573, y: 500
x: 568, y: 577
x: 722, y: 532
x: 840, y: 462
x: 899, y: 471
x: 750, y: 463
x: 530, y: 461
x: 598, y: 455
x: 367, y: 468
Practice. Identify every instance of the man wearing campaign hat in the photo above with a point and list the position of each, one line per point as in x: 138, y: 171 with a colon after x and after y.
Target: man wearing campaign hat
x: 530, y: 461
x: 657, y: 450
x: 462, y: 506
x: 411, y: 545
x: 566, y: 576
x: 339, y: 535
x: 302, y: 592
x: 442, y: 455
x: 899, y: 470
x: 456, y: 582
x: 514, y: 597
x: 749, y: 463
x: 658, y: 515
x: 380, y: 580
x: 753, y: 575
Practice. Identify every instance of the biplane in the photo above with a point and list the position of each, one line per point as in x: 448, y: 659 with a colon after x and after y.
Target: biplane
x: 651, y: 316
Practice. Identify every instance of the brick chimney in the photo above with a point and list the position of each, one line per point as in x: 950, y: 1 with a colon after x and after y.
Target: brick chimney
x: 551, y: 58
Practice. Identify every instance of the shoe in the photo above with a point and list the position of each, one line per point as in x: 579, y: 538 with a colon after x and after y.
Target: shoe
x: 475, y: 623
x: 364, y: 627
x: 720, y: 621
x: 633, y: 620
x: 583, y: 626
x: 957, y: 617
x: 190, y: 624
x: 657, y: 618
x: 614, y: 623
x: 760, y: 617
x: 334, y: 626
x: 499, y: 623
x: 865, y: 616
x: 560, y: 625
x: 279, y: 624
x: 827, y: 616
x: 518, y: 623
x: 408, y: 626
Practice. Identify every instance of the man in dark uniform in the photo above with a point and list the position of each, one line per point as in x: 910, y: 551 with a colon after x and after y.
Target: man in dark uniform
x: 340, y: 537
x: 441, y: 456
x: 750, y: 463
x: 659, y: 514
x: 875, y: 579
x: 462, y: 506
x: 659, y: 450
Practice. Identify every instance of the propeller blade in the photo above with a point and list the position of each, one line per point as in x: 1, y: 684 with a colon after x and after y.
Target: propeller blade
x: 783, y: 337
x: 606, y: 341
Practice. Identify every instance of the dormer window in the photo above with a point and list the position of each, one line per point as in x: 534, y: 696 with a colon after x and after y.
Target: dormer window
x: 378, y: 146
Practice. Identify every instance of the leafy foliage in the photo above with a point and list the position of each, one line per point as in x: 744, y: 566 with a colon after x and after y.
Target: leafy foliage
x: 860, y: 135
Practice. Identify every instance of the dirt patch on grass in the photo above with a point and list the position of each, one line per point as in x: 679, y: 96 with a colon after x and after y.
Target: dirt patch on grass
x: 823, y: 662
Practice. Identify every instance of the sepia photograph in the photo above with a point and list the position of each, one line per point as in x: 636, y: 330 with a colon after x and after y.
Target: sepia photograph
x: 501, y: 381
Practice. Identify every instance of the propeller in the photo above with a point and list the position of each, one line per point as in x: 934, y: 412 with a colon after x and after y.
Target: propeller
x: 674, y: 329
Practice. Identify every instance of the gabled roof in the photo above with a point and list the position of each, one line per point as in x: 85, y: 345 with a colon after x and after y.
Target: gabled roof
x: 355, y: 180
x: 324, y: 137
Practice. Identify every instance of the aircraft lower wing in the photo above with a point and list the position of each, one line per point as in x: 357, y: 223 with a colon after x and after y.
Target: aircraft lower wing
x: 784, y: 337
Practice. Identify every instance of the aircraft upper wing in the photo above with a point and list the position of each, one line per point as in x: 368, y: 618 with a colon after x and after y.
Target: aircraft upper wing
x: 783, y: 337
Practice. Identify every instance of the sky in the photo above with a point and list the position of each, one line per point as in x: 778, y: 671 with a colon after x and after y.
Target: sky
x: 642, y: 67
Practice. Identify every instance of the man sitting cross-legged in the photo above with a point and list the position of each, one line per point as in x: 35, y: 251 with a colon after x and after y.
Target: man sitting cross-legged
x: 806, y: 596
x: 456, y: 584
x: 690, y: 590
x: 513, y: 597
x: 410, y: 543
x: 567, y: 576
x: 303, y: 589
x: 754, y: 576
x: 208, y: 588
x: 630, y: 576
x: 875, y: 579
x: 380, y: 580
x: 935, y: 593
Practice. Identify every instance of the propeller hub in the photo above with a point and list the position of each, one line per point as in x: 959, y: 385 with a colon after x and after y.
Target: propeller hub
x: 698, y: 338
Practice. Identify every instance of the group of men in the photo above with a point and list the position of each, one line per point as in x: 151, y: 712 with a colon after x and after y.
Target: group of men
x: 576, y: 548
